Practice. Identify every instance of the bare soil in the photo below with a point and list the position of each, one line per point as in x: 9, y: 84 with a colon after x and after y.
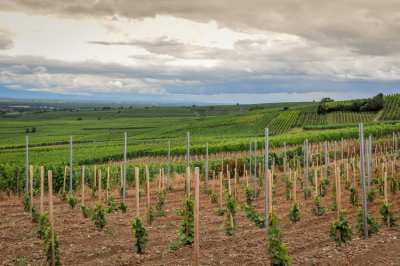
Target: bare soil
x: 81, y: 243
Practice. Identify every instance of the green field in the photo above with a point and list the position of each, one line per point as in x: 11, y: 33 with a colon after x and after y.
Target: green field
x: 98, y: 132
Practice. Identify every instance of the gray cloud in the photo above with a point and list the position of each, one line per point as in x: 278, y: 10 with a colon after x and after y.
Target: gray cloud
x: 6, y: 41
x: 366, y: 26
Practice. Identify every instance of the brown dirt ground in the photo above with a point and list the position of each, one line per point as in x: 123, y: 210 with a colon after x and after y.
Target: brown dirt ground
x: 308, y: 241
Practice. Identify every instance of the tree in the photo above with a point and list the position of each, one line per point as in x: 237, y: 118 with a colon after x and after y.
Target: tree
x: 326, y: 100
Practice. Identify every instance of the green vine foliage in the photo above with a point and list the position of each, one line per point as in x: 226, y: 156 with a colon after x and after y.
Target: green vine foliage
x: 294, y: 213
x: 229, y: 226
x: 253, y: 215
x: 354, y: 198
x: 35, y: 214
x: 186, y: 234
x: 340, y: 231
x: 347, y: 185
x: 317, y: 208
x: 373, y: 227
x: 288, y: 188
x: 249, y: 193
x: 387, y: 215
x: 307, y: 193
x: 394, y: 184
x: 111, y: 205
x: 160, y: 204
x: 86, y: 211
x: 26, y: 201
x: 122, y: 206
x: 99, y: 217
x: 220, y: 212
x: 63, y: 195
x: 333, y: 205
x: 141, y: 234
x: 213, y: 197
x: 44, y: 232
x: 323, y: 187
x: 43, y: 224
x: 48, y: 244
x: 72, y: 200
x: 371, y: 195
x: 277, y: 251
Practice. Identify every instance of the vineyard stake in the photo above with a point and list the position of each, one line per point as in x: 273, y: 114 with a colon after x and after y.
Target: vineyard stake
x: 386, y: 198
x: 70, y: 165
x: 83, y: 185
x: 188, y: 182
x: 266, y: 179
x: 27, y: 164
x: 124, y: 172
x: 31, y: 181
x: 41, y: 188
x: 94, y: 177
x: 316, y: 182
x: 206, y: 170
x: 169, y: 165
x: 385, y: 187
x: 51, y: 215
x: 250, y: 153
x: 196, y: 217
x: 108, y: 183
x: 294, y: 186
x: 137, y: 190
x: 255, y: 168
x: 326, y: 158
x: 284, y: 158
x: 99, y: 185
x: 269, y: 193
x: 65, y: 177
x: 220, y: 190
x: 306, y: 162
x: 228, y: 176
x: 148, y: 195
x: 187, y: 149
x: 364, y: 194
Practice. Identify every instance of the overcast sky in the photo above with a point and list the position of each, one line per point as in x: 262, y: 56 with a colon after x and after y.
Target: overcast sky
x: 217, y: 51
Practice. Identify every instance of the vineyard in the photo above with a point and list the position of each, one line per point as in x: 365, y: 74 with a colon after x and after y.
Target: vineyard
x: 232, y: 215
x: 312, y: 189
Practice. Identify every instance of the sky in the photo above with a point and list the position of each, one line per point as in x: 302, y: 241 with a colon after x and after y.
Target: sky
x: 219, y: 51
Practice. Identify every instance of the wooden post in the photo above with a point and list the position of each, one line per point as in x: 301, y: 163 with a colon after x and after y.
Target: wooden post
x: 159, y: 179
x: 148, y: 195
x: 108, y: 183
x: 196, y: 217
x: 41, y: 188
x: 235, y: 183
x: 270, y: 192
x: 338, y: 191
x: 31, y: 181
x: 137, y: 190
x: 83, y: 185
x: 385, y: 186
x: 220, y: 189
x: 99, y: 185
x: 294, y: 186
x: 51, y: 215
x: 316, y: 182
x: 188, y: 182
x: 121, y: 176
x: 94, y: 177
x: 65, y: 177
x: 228, y: 176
